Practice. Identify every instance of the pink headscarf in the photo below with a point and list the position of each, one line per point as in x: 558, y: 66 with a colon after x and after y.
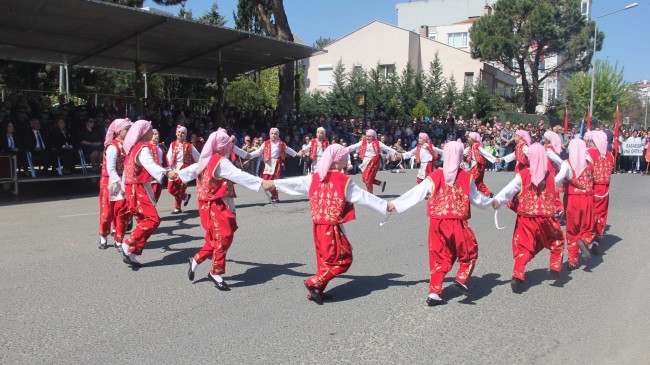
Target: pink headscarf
x: 332, y: 154
x: 524, y: 135
x: 452, y: 157
x: 475, y: 136
x: 274, y: 130
x: 538, y: 162
x: 600, y: 140
x: 116, y: 126
x: 371, y: 132
x: 555, y: 141
x: 425, y: 137
x: 578, y: 155
x: 138, y: 129
x: 322, y: 130
x: 216, y: 141
x: 181, y: 128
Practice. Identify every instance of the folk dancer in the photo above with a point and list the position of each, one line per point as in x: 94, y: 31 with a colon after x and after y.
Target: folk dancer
x: 215, y: 175
x: 476, y: 157
x: 180, y: 155
x: 332, y: 196
x: 139, y: 169
x: 579, y: 201
x: 369, y: 150
x: 536, y: 227
x: 448, y: 208
x: 553, y: 145
x: 603, y: 161
x: 113, y: 208
x: 424, y: 154
x: 157, y: 154
x: 315, y: 147
x: 274, y: 151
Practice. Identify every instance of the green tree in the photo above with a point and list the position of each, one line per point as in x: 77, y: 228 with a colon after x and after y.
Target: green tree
x: 213, y: 17
x: 434, y: 87
x: 465, y: 102
x: 484, y: 102
x: 315, y: 103
x: 520, y: 34
x: 246, y: 95
x: 451, y: 92
x: 420, y: 110
x: 406, y: 90
x: 323, y: 42
x: 339, y: 98
x: 610, y: 88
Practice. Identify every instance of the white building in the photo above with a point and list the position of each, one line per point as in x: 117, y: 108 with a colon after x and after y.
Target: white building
x: 411, y: 15
x: 392, y: 48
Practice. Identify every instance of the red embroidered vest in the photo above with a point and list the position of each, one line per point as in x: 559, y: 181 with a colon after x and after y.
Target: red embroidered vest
x: 313, y: 152
x: 475, y: 154
x: 364, y: 145
x: 583, y: 184
x: 449, y: 202
x: 556, y: 168
x: 428, y: 148
x: 134, y: 173
x: 531, y: 202
x: 602, y: 166
x: 121, y: 155
x: 186, y: 150
x: 209, y: 188
x: 267, y: 150
x: 520, y: 156
x: 327, y: 199
x: 154, y: 153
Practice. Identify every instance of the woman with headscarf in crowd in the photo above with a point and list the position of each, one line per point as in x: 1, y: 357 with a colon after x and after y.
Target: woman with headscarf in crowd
x: 536, y: 227
x: 553, y: 145
x: 274, y: 151
x: 369, y: 152
x: 113, y: 208
x: 603, y: 161
x: 476, y: 157
x: 424, y: 154
x: 316, y: 147
x: 451, y: 239
x: 579, y: 201
x: 158, y: 154
x: 180, y: 155
x: 139, y: 169
x: 215, y: 175
x: 331, y: 198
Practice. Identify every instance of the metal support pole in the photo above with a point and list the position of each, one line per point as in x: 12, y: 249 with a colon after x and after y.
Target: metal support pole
x: 593, y: 71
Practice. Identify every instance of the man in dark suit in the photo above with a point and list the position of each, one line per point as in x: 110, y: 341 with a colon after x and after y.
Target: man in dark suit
x: 610, y: 138
x: 39, y: 146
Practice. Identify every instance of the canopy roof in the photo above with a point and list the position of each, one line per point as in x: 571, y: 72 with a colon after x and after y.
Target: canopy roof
x: 92, y: 33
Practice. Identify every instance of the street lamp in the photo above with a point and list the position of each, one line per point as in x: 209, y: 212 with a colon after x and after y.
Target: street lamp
x: 593, y: 70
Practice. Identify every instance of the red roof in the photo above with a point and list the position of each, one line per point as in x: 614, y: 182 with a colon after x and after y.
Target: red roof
x: 468, y: 21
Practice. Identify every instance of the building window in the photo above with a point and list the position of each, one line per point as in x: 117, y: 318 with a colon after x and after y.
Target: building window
x: 585, y: 8
x: 325, y: 75
x: 469, y: 79
x: 433, y: 36
x: 386, y: 70
x: 458, y: 40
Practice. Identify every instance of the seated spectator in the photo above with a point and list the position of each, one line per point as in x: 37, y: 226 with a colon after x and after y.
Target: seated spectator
x: 39, y: 146
x: 91, y: 141
x: 62, y: 146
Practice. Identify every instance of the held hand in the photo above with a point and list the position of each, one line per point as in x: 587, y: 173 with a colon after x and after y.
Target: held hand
x: 398, y: 155
x: 390, y: 207
x: 299, y: 154
x: 248, y: 156
x: 172, y: 175
x: 495, y: 204
x: 268, y: 185
x: 349, y: 167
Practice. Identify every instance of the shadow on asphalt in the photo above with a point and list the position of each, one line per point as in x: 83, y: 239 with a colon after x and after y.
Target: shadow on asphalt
x: 479, y: 287
x: 538, y: 276
x: 607, y: 243
x: 360, y: 286
x: 261, y: 273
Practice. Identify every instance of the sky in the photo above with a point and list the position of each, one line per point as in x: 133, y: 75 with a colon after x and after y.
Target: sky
x: 626, y: 33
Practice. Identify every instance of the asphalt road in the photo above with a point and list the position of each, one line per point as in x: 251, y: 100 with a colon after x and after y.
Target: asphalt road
x: 64, y: 301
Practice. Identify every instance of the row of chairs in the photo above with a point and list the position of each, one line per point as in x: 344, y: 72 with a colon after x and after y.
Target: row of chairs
x: 59, y: 169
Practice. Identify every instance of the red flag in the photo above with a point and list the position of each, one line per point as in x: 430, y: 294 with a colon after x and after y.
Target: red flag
x: 588, y: 119
x: 566, y: 120
x: 618, y: 124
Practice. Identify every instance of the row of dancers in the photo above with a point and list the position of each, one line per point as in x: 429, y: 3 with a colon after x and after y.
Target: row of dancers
x: 132, y: 163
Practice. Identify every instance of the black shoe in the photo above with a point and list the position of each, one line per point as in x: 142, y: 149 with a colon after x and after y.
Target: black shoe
x: 120, y: 250
x: 220, y: 285
x: 129, y: 226
x: 594, y: 249
x: 434, y: 302
x: 572, y: 267
x: 190, y: 273
x: 584, y: 251
x: 130, y: 262
x: 517, y: 285
x: 383, y: 186
x: 460, y: 288
x: 314, y: 294
x: 187, y: 199
x: 177, y: 211
x: 102, y: 246
x: 554, y: 274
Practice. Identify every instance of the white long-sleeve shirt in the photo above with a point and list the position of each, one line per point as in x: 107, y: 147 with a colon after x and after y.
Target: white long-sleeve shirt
x: 488, y: 156
x: 370, y: 152
x: 551, y: 155
x: 111, y: 163
x: 179, y: 157
x: 356, y: 195
x: 425, y: 156
x: 275, y: 151
x: 509, y: 191
x: 146, y: 160
x: 225, y: 170
x: 420, y: 191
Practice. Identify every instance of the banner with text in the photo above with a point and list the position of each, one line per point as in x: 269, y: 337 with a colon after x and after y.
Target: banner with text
x: 633, y: 149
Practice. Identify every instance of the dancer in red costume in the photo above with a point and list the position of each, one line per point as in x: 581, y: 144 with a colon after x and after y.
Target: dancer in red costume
x: 139, y: 170
x: 450, y: 238
x: 603, y: 161
x: 215, y: 175
x: 180, y: 155
x: 369, y: 149
x: 553, y: 145
x: 536, y: 227
x: 113, y: 208
x: 274, y: 151
x: 579, y: 201
x: 425, y: 154
x: 331, y: 198
x: 158, y: 155
x: 316, y: 147
x: 476, y: 157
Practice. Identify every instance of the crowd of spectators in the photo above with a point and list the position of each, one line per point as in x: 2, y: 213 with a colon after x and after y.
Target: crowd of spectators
x: 54, y: 133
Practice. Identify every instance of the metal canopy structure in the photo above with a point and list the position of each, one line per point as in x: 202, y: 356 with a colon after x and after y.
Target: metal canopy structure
x: 92, y: 33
